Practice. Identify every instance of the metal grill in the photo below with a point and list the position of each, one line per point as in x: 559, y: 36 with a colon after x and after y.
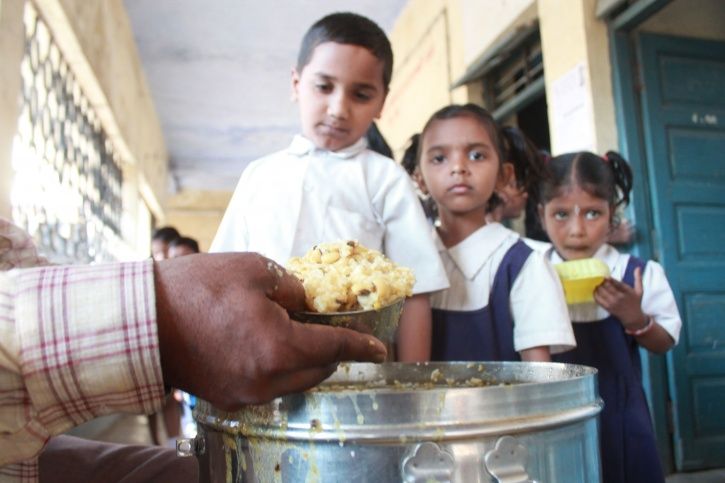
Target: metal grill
x: 67, y: 190
x: 523, y: 68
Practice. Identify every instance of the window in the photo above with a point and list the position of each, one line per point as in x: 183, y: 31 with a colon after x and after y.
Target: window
x: 67, y: 189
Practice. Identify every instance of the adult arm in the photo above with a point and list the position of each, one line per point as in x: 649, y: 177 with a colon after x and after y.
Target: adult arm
x: 227, y: 337
x: 79, y: 342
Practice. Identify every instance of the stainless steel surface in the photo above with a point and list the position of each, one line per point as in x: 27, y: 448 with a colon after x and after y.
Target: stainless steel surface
x: 186, y: 447
x: 381, y: 323
x: 506, y: 462
x: 415, y: 422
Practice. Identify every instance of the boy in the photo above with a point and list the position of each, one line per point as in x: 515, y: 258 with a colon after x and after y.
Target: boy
x: 327, y: 185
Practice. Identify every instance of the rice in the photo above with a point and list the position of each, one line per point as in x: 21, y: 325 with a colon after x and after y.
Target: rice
x: 346, y: 276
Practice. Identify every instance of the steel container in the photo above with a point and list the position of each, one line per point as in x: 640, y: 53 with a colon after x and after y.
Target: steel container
x: 458, y: 422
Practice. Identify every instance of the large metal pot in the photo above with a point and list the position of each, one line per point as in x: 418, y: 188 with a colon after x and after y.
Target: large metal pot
x: 459, y: 422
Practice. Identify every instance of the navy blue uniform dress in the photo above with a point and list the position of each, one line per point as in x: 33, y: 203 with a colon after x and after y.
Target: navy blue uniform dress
x: 627, y: 442
x: 486, y: 334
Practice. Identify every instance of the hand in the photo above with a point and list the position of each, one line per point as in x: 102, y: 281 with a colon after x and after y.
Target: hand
x: 225, y: 336
x: 623, y: 301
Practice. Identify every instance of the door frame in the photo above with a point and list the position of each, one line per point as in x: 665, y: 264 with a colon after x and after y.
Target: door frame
x: 626, y: 82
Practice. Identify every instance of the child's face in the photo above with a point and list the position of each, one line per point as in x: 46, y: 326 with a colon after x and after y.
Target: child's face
x: 159, y: 250
x: 577, y: 223
x: 340, y: 92
x: 180, y: 251
x: 513, y: 197
x: 459, y: 165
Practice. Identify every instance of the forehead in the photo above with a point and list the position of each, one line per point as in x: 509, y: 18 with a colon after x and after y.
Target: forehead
x: 345, y: 62
x: 575, y: 194
x: 463, y: 129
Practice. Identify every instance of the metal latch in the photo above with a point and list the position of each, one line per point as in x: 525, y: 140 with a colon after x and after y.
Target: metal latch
x: 506, y: 462
x: 186, y: 447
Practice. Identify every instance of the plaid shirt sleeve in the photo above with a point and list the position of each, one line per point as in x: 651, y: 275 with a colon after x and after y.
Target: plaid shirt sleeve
x: 76, y: 342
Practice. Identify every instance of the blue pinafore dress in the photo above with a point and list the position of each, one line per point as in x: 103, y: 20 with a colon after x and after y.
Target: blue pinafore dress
x: 486, y: 334
x: 627, y: 442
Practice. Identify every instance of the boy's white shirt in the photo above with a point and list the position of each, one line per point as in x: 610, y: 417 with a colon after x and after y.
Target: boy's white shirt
x: 289, y: 201
x: 536, y: 299
x: 658, y: 301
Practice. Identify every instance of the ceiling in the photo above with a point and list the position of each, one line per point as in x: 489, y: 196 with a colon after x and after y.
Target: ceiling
x: 219, y: 74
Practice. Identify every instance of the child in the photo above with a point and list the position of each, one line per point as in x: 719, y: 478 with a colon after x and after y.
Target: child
x: 505, y: 301
x: 409, y: 162
x: 327, y: 185
x: 634, y: 307
x: 523, y: 169
x: 183, y: 246
x: 160, y: 242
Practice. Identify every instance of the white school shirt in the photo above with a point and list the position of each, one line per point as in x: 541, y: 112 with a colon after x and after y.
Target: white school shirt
x: 537, y: 300
x: 658, y: 301
x: 289, y: 201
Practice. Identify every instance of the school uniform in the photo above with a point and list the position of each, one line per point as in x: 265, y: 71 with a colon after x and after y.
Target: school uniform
x: 503, y: 298
x: 290, y: 201
x: 627, y: 441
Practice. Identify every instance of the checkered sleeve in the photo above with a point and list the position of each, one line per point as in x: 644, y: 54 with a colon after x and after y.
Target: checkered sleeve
x: 76, y: 342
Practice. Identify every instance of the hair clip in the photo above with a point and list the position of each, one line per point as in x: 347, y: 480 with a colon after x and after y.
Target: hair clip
x: 605, y: 158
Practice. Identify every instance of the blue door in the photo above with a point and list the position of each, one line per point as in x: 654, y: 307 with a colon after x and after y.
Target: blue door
x: 683, y: 106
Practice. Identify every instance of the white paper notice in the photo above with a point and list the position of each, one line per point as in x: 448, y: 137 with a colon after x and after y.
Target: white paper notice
x: 573, y: 127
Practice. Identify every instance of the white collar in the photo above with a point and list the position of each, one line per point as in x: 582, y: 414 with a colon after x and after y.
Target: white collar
x: 302, y: 146
x: 471, y: 254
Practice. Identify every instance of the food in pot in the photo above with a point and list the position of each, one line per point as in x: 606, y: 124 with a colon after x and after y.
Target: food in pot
x: 346, y: 276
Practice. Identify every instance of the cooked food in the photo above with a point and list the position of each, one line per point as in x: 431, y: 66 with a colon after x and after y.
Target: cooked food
x: 346, y: 276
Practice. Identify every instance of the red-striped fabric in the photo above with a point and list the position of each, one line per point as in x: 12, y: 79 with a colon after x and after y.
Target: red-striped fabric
x: 76, y: 342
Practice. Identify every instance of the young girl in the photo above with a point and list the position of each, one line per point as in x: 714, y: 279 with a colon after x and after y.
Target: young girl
x: 523, y: 168
x: 634, y: 307
x: 505, y: 301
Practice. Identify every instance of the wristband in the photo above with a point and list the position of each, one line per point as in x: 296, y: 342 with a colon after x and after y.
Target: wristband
x: 643, y: 330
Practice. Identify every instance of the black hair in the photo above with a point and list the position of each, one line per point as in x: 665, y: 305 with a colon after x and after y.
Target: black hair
x: 377, y: 142
x: 479, y: 114
x: 529, y: 164
x: 185, y: 241
x: 608, y: 177
x: 166, y: 234
x: 526, y: 159
x: 409, y: 161
x: 467, y: 110
x: 351, y: 29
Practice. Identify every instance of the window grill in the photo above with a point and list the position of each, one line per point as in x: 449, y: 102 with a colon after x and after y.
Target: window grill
x: 516, y: 77
x: 67, y: 189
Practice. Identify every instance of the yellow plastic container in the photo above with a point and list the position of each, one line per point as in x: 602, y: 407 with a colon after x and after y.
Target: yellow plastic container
x: 580, y: 277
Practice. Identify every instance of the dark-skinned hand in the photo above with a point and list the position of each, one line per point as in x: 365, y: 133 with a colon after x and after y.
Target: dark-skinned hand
x: 225, y: 335
x: 623, y: 301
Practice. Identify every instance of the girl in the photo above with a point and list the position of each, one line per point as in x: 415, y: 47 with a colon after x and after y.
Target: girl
x: 634, y: 307
x: 504, y: 302
x: 523, y: 169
